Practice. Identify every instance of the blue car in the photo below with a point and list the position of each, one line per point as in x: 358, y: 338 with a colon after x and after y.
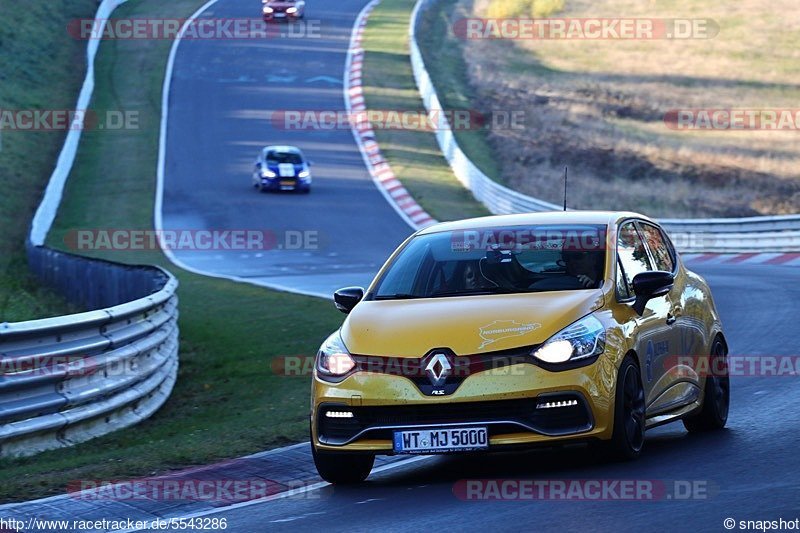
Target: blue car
x: 282, y: 168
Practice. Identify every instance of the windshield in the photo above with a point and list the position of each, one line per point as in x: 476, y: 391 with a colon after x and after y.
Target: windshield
x: 496, y: 260
x: 277, y: 158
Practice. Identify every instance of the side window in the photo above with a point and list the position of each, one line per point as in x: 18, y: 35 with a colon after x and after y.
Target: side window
x: 632, y: 253
x: 658, y: 247
x: 623, y: 291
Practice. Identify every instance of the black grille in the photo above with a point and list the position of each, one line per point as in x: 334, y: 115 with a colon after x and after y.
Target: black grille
x: 503, y: 416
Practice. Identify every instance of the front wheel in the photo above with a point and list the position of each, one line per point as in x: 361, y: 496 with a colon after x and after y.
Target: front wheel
x: 629, y: 414
x: 342, y: 468
x: 716, y: 395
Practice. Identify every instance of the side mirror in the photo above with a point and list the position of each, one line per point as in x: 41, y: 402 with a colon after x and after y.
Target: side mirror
x: 309, y: 163
x: 649, y: 285
x: 258, y: 164
x: 347, y: 298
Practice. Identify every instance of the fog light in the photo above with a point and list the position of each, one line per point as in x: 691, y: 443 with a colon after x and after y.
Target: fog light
x: 552, y: 405
x: 339, y: 414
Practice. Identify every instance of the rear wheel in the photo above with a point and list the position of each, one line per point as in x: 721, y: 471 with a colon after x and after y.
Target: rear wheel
x: 629, y: 414
x: 342, y: 468
x: 716, y: 395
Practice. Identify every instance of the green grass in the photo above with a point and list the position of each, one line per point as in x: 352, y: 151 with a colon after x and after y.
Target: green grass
x: 448, y: 70
x: 227, y: 401
x: 42, y: 68
x: 414, y: 155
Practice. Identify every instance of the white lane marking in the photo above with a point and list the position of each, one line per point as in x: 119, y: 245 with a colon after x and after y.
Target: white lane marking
x: 158, y: 221
x: 289, y: 493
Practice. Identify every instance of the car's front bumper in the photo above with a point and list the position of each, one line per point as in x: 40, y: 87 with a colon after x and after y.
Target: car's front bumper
x: 285, y: 184
x: 503, y: 400
x: 274, y: 17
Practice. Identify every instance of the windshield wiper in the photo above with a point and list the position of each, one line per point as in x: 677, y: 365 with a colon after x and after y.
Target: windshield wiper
x: 398, y: 296
x: 482, y: 290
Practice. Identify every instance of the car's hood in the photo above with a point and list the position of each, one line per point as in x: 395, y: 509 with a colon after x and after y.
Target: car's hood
x: 467, y: 325
x: 286, y: 170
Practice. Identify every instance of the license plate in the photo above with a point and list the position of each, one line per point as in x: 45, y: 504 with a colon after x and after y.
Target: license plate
x: 280, y: 15
x: 441, y: 440
x: 287, y: 184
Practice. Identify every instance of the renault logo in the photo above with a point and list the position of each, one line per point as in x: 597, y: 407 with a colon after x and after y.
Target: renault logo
x: 438, y: 369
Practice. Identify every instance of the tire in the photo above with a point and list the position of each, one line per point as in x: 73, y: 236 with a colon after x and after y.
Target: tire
x: 342, y: 468
x: 713, y: 415
x: 627, y: 439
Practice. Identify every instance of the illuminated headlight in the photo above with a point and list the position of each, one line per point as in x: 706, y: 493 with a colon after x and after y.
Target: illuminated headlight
x: 304, y: 174
x: 266, y: 173
x: 585, y: 338
x: 339, y: 414
x: 333, y: 359
x: 292, y: 10
x: 268, y: 9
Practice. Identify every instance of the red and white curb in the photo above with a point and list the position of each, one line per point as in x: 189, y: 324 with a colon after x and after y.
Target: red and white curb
x: 787, y: 259
x: 380, y: 170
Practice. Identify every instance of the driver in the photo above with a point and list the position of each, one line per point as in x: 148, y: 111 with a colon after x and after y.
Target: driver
x: 583, y: 266
x: 581, y: 271
x: 470, y: 276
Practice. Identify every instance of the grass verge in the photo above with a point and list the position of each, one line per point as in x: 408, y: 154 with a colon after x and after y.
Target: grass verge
x: 603, y: 106
x: 34, y: 50
x: 227, y: 401
x: 389, y: 84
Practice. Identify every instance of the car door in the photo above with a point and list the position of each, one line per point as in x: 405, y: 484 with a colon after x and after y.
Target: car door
x: 687, y: 334
x: 652, y: 331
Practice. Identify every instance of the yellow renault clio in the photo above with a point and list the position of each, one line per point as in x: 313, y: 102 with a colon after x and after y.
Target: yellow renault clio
x: 520, y: 330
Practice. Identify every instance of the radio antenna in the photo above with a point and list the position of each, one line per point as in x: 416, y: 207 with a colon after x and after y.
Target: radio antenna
x: 565, y: 187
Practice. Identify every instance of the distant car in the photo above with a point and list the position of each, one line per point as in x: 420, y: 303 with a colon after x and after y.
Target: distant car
x: 283, y: 9
x: 282, y: 168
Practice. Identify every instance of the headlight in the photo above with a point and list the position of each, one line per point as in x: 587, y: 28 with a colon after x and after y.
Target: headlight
x: 291, y: 10
x: 266, y: 173
x: 585, y: 338
x: 333, y: 359
x: 268, y: 9
x: 304, y: 174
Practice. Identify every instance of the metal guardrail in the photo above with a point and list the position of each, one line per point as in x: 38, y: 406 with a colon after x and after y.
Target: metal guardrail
x: 752, y: 234
x: 68, y: 379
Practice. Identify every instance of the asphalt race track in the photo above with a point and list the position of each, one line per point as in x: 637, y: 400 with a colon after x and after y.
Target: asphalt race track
x: 221, y: 99
x: 221, y: 94
x: 748, y: 471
